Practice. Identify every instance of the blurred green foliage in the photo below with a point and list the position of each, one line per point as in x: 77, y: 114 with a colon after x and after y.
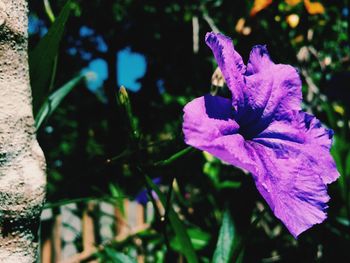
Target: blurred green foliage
x: 100, y: 146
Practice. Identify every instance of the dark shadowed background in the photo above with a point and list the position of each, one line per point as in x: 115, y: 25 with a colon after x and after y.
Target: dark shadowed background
x: 156, y: 50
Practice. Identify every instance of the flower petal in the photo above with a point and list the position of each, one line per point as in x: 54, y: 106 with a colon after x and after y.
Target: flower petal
x: 208, y: 126
x: 230, y: 63
x: 271, y: 90
x: 301, y: 133
x: 296, y: 165
x: 207, y: 118
x: 285, y: 84
x: 292, y: 188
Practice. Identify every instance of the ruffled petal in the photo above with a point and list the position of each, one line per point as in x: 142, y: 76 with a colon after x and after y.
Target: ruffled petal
x: 208, y: 126
x: 286, y: 150
x: 301, y: 133
x: 207, y: 118
x: 259, y: 60
x: 284, y: 93
x: 292, y: 188
x: 271, y: 90
x: 295, y: 167
x: 230, y: 63
x: 233, y: 149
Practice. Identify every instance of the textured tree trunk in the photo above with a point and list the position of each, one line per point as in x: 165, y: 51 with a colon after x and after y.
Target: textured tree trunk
x: 22, y: 163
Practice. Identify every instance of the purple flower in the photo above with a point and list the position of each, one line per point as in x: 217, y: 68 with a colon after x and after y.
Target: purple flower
x: 142, y: 197
x: 263, y: 130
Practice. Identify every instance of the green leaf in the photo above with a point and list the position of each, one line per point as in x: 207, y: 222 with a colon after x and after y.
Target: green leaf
x: 225, y: 244
x: 343, y: 221
x: 186, y: 245
x: 118, y: 196
x: 198, y: 238
x: 347, y: 164
x: 229, y: 184
x: 41, y: 59
x: 48, y: 11
x: 118, y: 257
x: 54, y: 100
x: 338, y: 150
x: 212, y: 170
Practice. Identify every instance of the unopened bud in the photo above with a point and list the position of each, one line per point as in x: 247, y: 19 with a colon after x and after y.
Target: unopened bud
x: 123, y: 95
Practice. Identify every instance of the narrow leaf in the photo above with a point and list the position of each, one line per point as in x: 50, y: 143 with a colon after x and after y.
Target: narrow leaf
x: 118, y: 196
x: 347, y: 164
x: 229, y: 184
x: 199, y: 239
x: 224, y: 246
x: 338, y: 150
x: 48, y: 11
x: 54, y: 100
x: 41, y: 59
x: 118, y: 257
x: 179, y: 229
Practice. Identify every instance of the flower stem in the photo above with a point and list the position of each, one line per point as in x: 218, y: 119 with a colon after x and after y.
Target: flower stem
x: 174, y: 157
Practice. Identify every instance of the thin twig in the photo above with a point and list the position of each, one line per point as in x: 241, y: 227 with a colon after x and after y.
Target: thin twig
x: 211, y: 23
x: 195, y: 34
x: 313, y: 89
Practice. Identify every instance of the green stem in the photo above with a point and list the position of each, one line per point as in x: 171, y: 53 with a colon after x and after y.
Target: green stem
x: 161, y: 218
x: 174, y: 157
x: 129, y: 152
x: 168, y: 199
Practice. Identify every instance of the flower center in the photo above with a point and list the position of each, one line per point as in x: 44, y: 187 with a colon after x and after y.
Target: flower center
x: 247, y: 132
